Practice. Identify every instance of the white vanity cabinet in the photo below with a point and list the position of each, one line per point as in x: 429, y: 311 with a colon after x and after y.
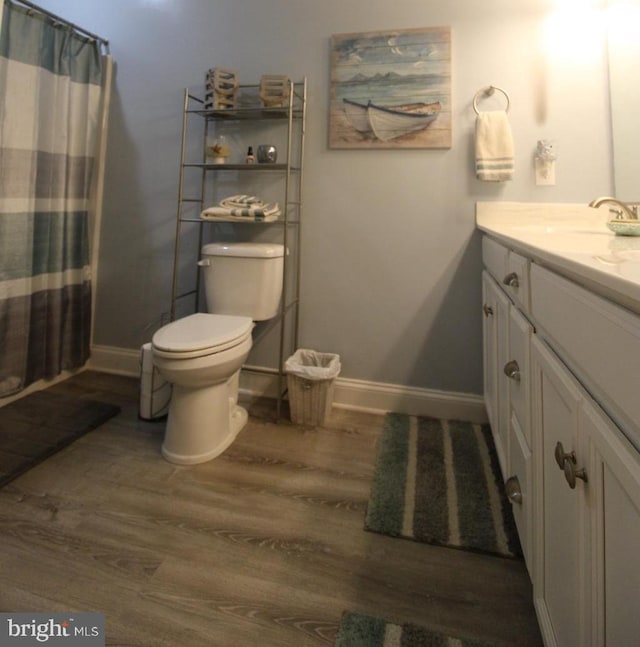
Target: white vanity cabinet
x: 571, y: 440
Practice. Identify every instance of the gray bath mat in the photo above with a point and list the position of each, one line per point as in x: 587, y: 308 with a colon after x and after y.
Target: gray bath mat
x: 439, y: 482
x: 41, y: 424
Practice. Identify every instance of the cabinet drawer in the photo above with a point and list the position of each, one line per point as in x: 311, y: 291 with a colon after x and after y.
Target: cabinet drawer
x: 494, y: 256
x: 517, y: 370
x: 516, y: 280
x: 520, y: 470
x: 598, y: 340
x: 509, y: 269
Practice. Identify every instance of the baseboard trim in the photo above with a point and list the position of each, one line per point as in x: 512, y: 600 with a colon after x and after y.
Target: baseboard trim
x: 119, y: 361
x: 379, y: 397
x: 357, y: 395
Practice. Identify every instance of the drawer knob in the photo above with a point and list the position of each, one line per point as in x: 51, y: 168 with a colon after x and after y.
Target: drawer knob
x: 571, y: 473
x: 562, y: 456
x: 513, y: 490
x: 512, y: 370
x: 488, y: 310
x: 511, y: 280
x: 567, y: 463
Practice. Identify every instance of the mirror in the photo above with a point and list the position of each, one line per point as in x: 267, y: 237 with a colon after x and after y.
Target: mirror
x: 624, y: 54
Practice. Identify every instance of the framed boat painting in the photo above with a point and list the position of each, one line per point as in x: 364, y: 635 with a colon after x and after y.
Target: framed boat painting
x: 391, y: 89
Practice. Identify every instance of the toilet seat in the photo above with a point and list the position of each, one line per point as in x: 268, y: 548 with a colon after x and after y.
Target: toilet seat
x: 201, y: 334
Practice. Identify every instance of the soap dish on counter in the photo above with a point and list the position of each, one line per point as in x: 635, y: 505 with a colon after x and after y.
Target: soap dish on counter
x: 624, y: 227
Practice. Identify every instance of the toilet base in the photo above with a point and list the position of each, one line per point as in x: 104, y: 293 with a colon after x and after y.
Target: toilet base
x: 202, y: 423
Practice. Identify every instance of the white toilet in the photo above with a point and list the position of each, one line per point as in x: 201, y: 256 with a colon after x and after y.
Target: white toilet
x: 201, y: 355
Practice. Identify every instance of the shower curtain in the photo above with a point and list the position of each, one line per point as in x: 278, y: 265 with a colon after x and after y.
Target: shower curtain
x: 50, y: 93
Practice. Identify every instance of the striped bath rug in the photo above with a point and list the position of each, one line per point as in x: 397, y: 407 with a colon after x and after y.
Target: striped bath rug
x: 359, y: 630
x: 439, y: 482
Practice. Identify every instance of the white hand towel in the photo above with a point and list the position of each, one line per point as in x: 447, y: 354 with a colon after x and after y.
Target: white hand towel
x: 494, y: 147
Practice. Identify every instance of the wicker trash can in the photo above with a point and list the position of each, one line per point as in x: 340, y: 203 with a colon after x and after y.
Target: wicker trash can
x: 310, y: 380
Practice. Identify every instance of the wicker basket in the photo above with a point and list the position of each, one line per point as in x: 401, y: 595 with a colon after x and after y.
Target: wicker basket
x: 310, y: 381
x: 310, y: 401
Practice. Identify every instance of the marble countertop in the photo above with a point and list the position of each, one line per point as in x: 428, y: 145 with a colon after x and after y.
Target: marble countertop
x: 571, y: 239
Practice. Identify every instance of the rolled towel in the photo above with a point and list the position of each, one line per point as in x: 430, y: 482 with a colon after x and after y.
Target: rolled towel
x: 494, y: 147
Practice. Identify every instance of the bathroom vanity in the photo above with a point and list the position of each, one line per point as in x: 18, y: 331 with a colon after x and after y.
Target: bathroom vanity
x: 561, y: 313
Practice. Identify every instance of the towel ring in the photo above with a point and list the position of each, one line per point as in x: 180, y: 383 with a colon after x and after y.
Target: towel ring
x: 487, y: 92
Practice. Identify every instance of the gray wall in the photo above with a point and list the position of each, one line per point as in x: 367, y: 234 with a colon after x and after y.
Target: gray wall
x: 391, y: 261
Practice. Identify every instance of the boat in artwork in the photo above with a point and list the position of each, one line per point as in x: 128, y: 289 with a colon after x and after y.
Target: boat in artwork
x: 358, y: 115
x: 388, y: 123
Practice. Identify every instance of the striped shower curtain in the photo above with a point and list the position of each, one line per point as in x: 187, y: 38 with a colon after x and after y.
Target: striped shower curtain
x: 50, y: 92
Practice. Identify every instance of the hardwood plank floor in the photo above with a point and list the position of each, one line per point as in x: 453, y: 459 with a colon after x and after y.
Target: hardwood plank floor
x: 263, y: 546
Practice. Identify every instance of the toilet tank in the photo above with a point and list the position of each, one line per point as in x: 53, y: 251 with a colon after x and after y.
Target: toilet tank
x: 243, y: 278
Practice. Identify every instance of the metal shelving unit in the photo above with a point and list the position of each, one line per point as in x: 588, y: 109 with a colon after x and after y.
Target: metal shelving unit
x: 248, y: 114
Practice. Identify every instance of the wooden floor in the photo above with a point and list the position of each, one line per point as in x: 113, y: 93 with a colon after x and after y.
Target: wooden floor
x: 263, y: 546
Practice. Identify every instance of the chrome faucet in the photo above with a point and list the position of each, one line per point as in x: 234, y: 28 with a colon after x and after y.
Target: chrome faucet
x: 628, y: 210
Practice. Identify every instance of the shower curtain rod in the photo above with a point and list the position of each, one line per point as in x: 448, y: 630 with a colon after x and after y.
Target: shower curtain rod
x: 55, y: 18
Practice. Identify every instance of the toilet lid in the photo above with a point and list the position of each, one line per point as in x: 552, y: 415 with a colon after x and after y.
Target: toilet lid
x: 202, y: 331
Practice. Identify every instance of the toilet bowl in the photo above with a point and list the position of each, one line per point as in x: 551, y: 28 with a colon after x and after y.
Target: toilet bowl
x: 201, y: 355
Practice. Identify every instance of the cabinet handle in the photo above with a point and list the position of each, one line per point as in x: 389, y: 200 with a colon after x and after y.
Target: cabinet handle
x: 511, y: 280
x: 567, y: 463
x: 513, y: 490
x: 571, y: 473
x: 562, y: 456
x: 488, y: 310
x: 512, y: 370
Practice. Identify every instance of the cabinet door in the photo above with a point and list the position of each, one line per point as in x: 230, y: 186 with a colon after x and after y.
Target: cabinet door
x: 561, y: 581
x: 494, y: 257
x: 615, y: 489
x: 496, y: 345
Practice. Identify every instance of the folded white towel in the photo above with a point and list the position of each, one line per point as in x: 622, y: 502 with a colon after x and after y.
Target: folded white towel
x: 494, y: 147
x: 222, y: 213
x: 242, y: 201
x: 242, y: 207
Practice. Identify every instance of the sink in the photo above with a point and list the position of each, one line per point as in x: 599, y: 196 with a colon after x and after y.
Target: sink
x: 615, y: 256
x: 537, y: 228
x: 623, y: 262
x: 540, y: 228
x: 629, y: 254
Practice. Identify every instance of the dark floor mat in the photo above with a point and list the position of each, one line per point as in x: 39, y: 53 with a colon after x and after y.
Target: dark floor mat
x: 41, y: 424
